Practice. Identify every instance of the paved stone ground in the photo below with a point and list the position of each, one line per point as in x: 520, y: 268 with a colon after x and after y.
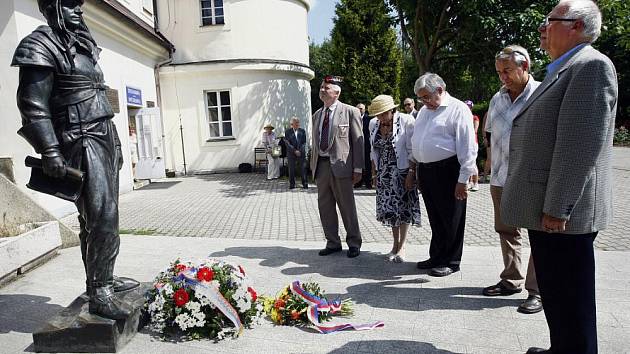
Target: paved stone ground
x: 422, y: 314
x: 247, y: 206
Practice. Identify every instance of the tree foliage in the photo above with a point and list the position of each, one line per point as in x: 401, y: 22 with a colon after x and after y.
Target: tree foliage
x: 321, y: 61
x: 365, y: 51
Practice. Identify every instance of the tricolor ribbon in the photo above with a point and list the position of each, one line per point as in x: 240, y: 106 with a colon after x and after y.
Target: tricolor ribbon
x: 319, y: 304
x: 214, y: 295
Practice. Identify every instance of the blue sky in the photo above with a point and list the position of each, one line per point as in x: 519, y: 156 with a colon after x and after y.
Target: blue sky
x: 320, y: 19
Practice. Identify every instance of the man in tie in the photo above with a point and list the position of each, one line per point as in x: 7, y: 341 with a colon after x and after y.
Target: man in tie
x: 559, y: 181
x: 295, y: 139
x: 337, y: 164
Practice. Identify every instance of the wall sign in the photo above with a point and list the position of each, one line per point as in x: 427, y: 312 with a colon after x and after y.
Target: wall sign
x: 134, y: 96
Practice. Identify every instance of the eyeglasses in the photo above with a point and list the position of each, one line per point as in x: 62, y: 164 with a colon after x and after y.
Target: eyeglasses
x: 408, y: 104
x: 548, y: 19
x: 507, y: 53
x: 425, y: 98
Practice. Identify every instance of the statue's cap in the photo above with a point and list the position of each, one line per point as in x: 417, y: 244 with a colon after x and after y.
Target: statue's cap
x: 43, y: 4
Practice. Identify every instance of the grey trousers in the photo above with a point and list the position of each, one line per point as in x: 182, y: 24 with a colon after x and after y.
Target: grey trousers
x: 333, y: 192
x: 511, y: 244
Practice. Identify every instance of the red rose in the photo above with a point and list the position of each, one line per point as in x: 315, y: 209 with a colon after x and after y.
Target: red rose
x: 252, y: 292
x: 279, y: 304
x: 241, y: 270
x: 180, y: 267
x: 180, y: 297
x: 205, y: 274
x: 295, y: 315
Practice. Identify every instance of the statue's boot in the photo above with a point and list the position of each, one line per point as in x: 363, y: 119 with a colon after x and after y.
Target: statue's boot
x: 104, y: 303
x: 123, y: 284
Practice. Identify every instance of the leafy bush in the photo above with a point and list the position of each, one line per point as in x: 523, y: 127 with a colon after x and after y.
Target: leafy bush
x: 622, y: 136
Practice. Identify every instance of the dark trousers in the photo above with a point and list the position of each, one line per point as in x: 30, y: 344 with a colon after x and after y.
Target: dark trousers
x: 96, y: 155
x: 565, y: 269
x: 447, y: 215
x: 292, y: 161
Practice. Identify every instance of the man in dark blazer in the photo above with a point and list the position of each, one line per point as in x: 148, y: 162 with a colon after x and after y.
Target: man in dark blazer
x: 367, y: 147
x: 559, y: 183
x: 337, y: 164
x: 295, y: 140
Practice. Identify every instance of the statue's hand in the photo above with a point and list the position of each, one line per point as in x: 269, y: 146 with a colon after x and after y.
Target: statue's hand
x: 53, y: 164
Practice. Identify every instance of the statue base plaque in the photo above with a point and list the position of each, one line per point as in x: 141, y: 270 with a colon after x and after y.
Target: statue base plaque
x: 75, y: 330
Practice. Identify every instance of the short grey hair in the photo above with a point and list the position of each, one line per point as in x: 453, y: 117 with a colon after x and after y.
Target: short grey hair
x: 429, y: 81
x: 518, y: 54
x: 294, y: 119
x: 589, y: 13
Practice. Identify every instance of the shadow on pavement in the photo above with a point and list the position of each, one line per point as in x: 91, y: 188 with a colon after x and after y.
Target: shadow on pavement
x: 389, y: 347
x: 25, y: 313
x: 369, y: 265
x: 247, y: 184
x: 383, y: 287
x: 160, y: 185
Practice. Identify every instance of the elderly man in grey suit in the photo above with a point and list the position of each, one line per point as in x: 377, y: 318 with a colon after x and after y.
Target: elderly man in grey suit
x: 337, y: 164
x: 559, y: 183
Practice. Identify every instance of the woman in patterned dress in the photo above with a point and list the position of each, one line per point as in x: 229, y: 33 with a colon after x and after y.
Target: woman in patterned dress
x: 396, y: 205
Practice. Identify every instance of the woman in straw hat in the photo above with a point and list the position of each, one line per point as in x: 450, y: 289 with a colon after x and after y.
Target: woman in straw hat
x: 270, y: 142
x: 396, y: 206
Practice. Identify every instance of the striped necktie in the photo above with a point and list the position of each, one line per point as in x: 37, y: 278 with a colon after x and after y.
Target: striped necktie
x: 323, y: 140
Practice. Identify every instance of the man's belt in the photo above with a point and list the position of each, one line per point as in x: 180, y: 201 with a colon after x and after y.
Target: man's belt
x: 440, y: 163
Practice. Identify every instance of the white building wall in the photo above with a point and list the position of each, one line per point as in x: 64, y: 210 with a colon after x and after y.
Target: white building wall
x: 270, y: 29
x: 260, y: 55
x: 258, y: 96
x: 125, y: 61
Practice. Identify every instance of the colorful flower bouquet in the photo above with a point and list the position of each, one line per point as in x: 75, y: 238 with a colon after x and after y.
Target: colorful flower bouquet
x: 305, y: 305
x: 208, y: 299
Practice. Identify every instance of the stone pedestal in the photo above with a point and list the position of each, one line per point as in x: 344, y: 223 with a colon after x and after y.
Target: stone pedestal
x: 75, y: 330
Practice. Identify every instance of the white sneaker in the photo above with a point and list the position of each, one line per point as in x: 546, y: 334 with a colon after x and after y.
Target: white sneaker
x: 474, y: 187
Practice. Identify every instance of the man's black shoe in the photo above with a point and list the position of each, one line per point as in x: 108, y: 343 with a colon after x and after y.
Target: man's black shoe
x: 353, y: 252
x: 536, y: 350
x: 499, y: 290
x: 305, y: 186
x: 326, y: 251
x: 443, y: 271
x: 291, y: 187
x: 427, y: 264
x: 533, y: 304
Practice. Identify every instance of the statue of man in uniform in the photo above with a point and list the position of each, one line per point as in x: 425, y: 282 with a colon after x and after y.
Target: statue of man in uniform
x: 67, y: 119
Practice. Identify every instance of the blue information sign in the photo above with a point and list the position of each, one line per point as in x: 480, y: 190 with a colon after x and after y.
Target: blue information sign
x: 134, y: 96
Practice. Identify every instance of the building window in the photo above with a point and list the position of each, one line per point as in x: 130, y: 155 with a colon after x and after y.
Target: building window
x: 219, y: 114
x: 147, y: 5
x: 212, y: 12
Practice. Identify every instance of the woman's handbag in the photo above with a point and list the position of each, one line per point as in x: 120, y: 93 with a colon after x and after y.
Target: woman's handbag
x: 276, y: 151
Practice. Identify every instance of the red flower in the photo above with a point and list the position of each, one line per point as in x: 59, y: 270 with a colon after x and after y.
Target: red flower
x: 180, y: 297
x: 295, y: 315
x: 205, y: 274
x: 252, y: 292
x: 279, y: 304
x: 180, y: 267
x: 241, y: 269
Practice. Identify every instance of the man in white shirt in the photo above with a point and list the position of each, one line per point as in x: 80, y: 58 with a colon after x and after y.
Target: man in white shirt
x: 443, y: 145
x: 513, y: 66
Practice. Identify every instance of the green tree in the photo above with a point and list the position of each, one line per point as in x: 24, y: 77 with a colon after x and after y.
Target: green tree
x: 321, y: 61
x: 365, y: 51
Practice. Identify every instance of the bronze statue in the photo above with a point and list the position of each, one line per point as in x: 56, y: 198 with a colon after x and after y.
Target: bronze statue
x: 67, y: 118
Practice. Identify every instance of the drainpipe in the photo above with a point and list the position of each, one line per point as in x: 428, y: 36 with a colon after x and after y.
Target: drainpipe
x: 158, y: 86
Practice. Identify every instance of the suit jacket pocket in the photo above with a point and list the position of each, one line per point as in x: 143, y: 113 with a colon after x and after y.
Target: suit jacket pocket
x: 538, y: 176
x: 343, y: 130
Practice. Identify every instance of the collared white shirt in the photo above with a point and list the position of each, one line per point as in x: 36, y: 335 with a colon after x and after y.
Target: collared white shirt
x: 501, y: 114
x: 332, y: 108
x: 445, y: 132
